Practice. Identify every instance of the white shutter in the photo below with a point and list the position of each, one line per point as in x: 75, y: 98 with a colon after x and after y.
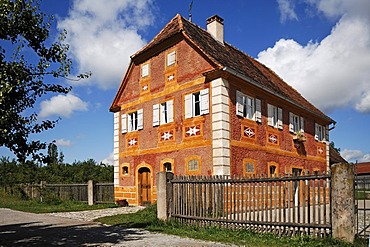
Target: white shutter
x: 124, y: 123
x: 188, y: 106
x: 324, y: 133
x: 239, y: 104
x: 270, y: 112
x: 140, y: 119
x: 204, y: 101
x: 156, y: 115
x: 170, y: 111
x: 291, y: 119
x: 145, y: 70
x: 316, y: 132
x: 171, y: 58
x: 280, y: 118
x: 258, y: 114
x: 302, y: 124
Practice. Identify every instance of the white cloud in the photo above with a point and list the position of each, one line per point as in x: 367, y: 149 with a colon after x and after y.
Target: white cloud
x: 108, y: 160
x: 103, y: 34
x: 287, y: 12
x: 63, y: 143
x: 62, y: 105
x: 355, y: 155
x: 334, y: 72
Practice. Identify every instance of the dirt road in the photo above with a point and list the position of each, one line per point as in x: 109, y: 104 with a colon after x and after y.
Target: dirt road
x: 28, y: 229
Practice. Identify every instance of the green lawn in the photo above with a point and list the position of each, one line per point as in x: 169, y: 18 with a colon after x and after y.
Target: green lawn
x: 147, y: 219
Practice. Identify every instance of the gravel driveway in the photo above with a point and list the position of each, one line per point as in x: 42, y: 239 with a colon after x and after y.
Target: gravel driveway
x: 77, y: 229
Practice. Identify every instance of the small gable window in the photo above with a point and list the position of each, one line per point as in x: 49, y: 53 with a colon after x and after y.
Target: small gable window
x: 319, y: 132
x: 197, y: 104
x: 248, y: 107
x: 296, y: 123
x: 193, y: 165
x: 145, y: 70
x: 167, y: 167
x: 132, y: 121
x: 171, y: 58
x: 163, y: 113
x: 275, y: 116
x: 125, y: 170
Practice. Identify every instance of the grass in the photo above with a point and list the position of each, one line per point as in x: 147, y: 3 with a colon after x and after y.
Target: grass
x: 147, y: 219
x: 48, y: 206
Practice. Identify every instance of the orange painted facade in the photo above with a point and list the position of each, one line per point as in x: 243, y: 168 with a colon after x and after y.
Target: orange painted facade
x: 155, y: 130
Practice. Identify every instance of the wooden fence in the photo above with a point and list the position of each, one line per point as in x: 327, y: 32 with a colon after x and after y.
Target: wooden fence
x: 287, y: 205
x: 102, y: 192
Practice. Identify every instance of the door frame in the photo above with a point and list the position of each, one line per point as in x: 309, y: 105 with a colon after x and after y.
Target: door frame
x: 138, y: 191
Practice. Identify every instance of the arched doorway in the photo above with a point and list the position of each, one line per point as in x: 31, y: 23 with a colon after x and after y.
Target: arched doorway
x: 144, y: 186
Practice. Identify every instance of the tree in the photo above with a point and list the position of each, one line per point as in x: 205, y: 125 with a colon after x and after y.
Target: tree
x: 27, y: 60
x: 332, y: 144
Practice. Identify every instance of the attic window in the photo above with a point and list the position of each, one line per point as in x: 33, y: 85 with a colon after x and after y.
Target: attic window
x: 145, y: 70
x: 171, y: 58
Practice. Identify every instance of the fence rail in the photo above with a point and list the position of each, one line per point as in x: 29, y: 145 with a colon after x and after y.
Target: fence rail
x: 102, y: 192
x: 288, y: 205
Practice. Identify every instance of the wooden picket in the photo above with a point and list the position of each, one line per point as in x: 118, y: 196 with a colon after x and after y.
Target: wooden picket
x: 287, y: 205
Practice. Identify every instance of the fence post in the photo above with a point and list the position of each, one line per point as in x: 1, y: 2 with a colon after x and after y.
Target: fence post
x: 343, y: 203
x: 164, y: 194
x: 90, y: 192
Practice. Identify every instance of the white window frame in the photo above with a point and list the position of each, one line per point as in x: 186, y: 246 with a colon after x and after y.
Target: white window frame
x: 171, y: 58
x: 320, y: 132
x: 275, y: 116
x: 248, y: 107
x: 145, y: 70
x: 296, y: 123
x: 163, y: 113
x: 132, y: 121
x: 197, y: 103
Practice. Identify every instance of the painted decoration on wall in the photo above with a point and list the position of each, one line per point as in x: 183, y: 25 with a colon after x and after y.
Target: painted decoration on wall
x: 192, y: 131
x: 249, y: 132
x: 171, y: 77
x: 167, y: 135
x: 272, y: 138
x: 132, y: 142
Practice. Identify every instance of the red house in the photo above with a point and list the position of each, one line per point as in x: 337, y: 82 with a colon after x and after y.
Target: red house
x: 192, y: 104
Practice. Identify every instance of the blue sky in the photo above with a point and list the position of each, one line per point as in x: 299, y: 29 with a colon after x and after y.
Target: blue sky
x: 320, y: 47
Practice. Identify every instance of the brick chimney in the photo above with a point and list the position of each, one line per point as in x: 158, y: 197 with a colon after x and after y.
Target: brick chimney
x: 215, y: 26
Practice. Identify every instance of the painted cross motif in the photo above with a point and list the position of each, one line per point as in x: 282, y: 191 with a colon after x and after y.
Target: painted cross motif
x: 192, y: 131
x: 320, y: 150
x: 249, y: 132
x: 166, y: 135
x: 273, y: 138
x: 171, y: 77
x: 132, y: 142
x: 145, y: 87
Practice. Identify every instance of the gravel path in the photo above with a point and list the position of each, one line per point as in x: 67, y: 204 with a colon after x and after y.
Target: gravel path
x: 77, y: 229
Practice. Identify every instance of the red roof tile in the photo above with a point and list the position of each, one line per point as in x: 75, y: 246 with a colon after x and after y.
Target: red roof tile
x: 227, y: 56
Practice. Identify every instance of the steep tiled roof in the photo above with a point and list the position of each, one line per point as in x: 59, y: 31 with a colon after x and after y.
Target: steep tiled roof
x: 227, y: 56
x: 335, y: 157
x: 362, y: 168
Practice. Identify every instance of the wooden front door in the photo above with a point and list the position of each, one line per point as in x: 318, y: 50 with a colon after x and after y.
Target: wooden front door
x: 144, y: 186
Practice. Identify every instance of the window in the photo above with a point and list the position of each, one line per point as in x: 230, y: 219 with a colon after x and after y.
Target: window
x: 171, y: 58
x: 320, y: 132
x: 132, y: 121
x: 248, y: 107
x: 275, y: 116
x: 167, y: 167
x: 296, y: 123
x: 197, y: 104
x: 273, y: 169
x: 163, y: 113
x: 193, y: 165
x: 145, y: 70
x: 125, y: 170
x: 249, y: 167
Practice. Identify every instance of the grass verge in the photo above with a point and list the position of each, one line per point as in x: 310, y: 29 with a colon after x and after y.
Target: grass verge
x: 34, y: 206
x: 147, y: 219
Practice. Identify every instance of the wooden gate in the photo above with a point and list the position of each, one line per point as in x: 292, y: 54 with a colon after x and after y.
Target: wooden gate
x: 362, y: 206
x: 144, y: 186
